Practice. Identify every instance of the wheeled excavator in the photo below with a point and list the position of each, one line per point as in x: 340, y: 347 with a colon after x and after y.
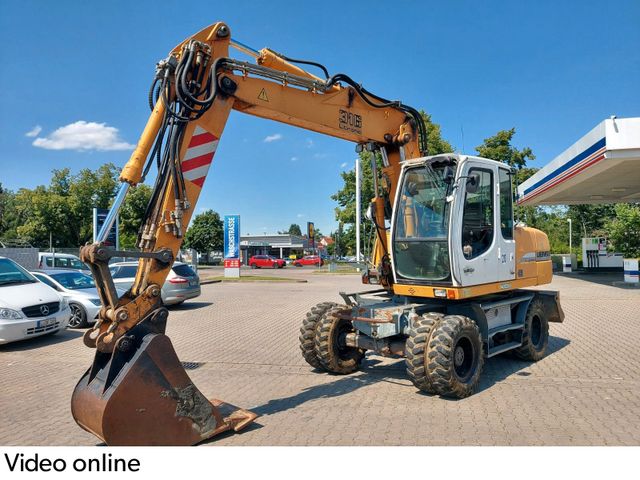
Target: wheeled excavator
x: 449, y: 267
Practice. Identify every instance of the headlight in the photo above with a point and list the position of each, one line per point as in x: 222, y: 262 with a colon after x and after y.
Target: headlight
x: 8, y: 314
x: 64, y: 303
x: 95, y: 301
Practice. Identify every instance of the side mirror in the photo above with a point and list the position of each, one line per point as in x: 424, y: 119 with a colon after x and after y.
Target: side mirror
x: 473, y: 183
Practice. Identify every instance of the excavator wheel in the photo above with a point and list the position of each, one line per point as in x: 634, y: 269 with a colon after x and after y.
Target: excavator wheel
x: 415, y: 348
x: 308, y: 333
x: 454, y: 357
x: 334, y: 357
x: 536, y: 333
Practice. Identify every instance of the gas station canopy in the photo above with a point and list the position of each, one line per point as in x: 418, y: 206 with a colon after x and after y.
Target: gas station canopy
x: 601, y: 167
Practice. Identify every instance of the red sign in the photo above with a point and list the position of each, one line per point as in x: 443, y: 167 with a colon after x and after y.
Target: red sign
x: 232, y: 263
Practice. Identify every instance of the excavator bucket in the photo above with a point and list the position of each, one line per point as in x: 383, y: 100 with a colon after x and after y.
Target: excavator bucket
x: 140, y: 394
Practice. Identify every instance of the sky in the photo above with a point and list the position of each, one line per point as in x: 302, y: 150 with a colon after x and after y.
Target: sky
x: 75, y: 77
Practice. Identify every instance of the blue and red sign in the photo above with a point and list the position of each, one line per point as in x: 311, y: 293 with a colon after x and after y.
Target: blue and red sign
x: 231, y: 237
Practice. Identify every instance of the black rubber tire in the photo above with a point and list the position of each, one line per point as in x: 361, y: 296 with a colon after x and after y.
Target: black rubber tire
x: 298, y: 264
x: 308, y: 333
x: 275, y: 265
x: 254, y: 266
x: 449, y: 373
x: 78, y: 316
x: 415, y: 348
x: 336, y: 359
x: 536, y: 333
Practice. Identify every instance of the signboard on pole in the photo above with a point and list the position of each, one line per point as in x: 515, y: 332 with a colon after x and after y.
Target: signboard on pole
x: 99, y: 216
x: 232, y: 246
x: 311, y: 235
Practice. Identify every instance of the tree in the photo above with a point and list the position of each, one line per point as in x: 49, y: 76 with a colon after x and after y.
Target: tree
x: 591, y: 219
x: 205, y: 233
x: 294, y: 229
x: 435, y: 143
x: 624, y: 230
x: 499, y: 148
x: 132, y: 214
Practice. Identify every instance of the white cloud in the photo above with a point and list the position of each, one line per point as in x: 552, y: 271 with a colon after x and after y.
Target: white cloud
x: 309, y: 143
x: 34, y: 131
x: 272, y: 138
x: 294, y: 159
x: 320, y: 155
x: 83, y: 136
x: 301, y: 215
x: 344, y: 165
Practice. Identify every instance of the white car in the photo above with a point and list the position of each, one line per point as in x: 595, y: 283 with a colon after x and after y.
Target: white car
x: 50, y: 261
x: 28, y: 308
x: 80, y: 291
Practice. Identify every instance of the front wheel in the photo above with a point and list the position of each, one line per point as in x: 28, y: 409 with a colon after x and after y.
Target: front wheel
x: 78, y: 316
x: 454, y: 357
x: 333, y: 355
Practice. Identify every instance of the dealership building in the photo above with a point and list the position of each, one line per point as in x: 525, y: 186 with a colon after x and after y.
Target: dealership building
x: 279, y: 246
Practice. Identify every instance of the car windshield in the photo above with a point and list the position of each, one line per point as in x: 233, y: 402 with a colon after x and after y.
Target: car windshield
x: 74, y: 280
x: 12, y: 274
x: 420, y: 244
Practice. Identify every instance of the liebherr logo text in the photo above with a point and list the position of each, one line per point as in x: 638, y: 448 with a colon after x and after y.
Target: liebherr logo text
x: 351, y: 122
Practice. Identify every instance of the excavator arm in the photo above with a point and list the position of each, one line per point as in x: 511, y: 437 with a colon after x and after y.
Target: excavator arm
x: 136, y: 391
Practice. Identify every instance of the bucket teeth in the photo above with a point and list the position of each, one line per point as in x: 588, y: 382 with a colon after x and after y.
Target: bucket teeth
x: 141, y: 395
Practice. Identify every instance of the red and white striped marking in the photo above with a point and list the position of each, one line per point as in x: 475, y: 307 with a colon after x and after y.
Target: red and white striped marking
x: 199, y: 155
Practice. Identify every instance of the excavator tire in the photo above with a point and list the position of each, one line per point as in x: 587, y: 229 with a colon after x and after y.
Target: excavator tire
x: 454, y: 357
x: 415, y: 348
x: 308, y: 333
x: 333, y: 357
x: 536, y: 333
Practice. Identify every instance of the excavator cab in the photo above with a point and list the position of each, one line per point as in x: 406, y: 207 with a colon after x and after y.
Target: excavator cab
x: 453, y: 222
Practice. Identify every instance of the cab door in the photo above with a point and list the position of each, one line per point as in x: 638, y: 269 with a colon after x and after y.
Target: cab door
x: 506, y: 242
x: 476, y: 243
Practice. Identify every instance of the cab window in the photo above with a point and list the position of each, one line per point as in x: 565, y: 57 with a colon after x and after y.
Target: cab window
x: 477, y: 219
x: 506, y: 204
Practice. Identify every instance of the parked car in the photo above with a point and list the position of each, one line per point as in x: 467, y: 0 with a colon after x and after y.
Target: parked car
x: 182, y: 282
x: 49, y: 261
x: 80, y: 291
x: 28, y: 308
x: 266, y: 261
x: 309, y: 260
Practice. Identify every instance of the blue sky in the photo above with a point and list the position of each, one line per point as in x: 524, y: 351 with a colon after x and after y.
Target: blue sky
x: 551, y: 69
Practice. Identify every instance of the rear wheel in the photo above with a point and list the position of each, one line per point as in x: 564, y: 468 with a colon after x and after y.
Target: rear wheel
x: 254, y: 266
x: 454, y: 357
x: 78, y: 317
x: 536, y: 333
x: 308, y: 333
x: 334, y: 356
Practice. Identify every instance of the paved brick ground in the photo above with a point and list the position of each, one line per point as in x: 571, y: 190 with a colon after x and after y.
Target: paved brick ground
x: 585, y: 392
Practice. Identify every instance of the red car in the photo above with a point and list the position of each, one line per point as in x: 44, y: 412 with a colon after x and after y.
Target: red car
x: 266, y: 261
x: 309, y: 260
